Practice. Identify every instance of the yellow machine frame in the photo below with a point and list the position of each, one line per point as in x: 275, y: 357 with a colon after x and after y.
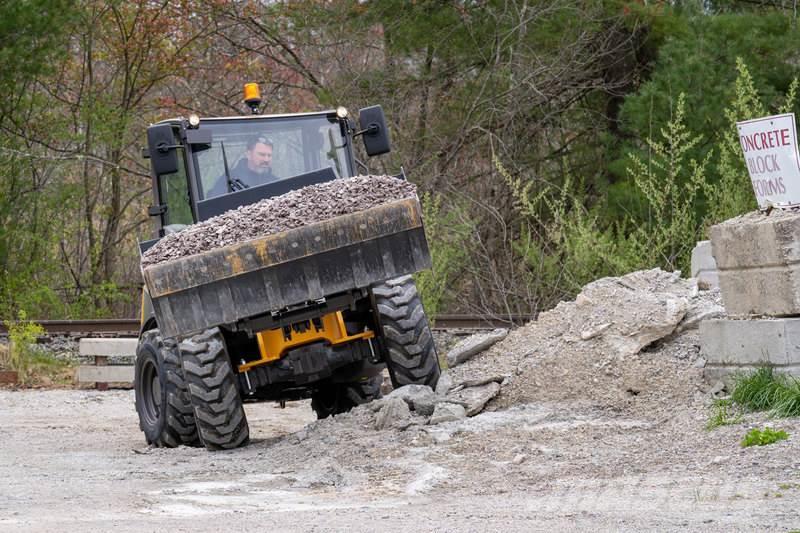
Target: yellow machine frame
x: 274, y: 343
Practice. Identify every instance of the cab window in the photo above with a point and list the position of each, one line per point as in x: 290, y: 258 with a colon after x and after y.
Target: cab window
x: 174, y: 192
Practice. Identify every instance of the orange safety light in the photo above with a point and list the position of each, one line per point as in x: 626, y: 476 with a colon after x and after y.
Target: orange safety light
x: 252, y: 96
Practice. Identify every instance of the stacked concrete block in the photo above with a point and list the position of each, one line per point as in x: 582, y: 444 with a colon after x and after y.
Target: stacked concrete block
x: 758, y: 265
x: 704, y: 268
x: 758, y: 261
x: 741, y: 345
x: 113, y: 362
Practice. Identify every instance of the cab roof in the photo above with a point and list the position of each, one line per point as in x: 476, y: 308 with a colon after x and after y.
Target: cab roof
x: 253, y: 117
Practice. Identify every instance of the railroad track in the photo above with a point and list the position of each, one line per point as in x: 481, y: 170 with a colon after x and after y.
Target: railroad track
x: 129, y: 327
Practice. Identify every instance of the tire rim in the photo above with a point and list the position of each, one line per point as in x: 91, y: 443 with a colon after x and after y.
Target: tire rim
x: 151, y: 393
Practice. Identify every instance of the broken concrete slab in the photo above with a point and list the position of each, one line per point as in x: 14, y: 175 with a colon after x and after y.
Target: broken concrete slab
x: 630, y: 312
x: 419, y: 398
x: 394, y: 413
x: 663, y: 316
x: 758, y: 260
x: 475, y: 398
x: 697, y: 314
x: 444, y: 384
x: 730, y: 346
x: 447, y: 412
x: 473, y: 345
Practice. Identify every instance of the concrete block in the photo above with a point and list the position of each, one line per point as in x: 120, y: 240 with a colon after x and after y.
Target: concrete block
x: 105, y: 374
x: 730, y: 345
x: 108, y: 347
x: 758, y: 263
x: 704, y: 268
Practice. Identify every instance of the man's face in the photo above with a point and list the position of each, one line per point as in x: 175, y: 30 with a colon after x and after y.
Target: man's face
x: 259, y: 158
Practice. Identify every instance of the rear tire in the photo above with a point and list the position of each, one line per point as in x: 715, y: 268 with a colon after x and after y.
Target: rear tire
x: 408, y: 342
x: 218, y: 408
x: 162, y: 399
x: 336, y: 398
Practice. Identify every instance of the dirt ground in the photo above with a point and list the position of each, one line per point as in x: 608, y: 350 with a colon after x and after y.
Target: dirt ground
x: 600, y: 424
x: 75, y: 460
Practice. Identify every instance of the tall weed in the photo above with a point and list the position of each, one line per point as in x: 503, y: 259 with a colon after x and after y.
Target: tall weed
x: 565, y: 244
x: 671, y: 184
x: 447, y: 232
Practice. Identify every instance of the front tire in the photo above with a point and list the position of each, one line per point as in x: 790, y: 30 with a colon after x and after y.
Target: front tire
x: 162, y: 400
x: 218, y: 408
x: 408, y: 342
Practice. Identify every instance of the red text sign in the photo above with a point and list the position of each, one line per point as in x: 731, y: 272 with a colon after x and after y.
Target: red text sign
x: 770, y: 152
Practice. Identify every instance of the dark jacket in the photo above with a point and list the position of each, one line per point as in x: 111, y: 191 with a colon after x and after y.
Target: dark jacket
x: 243, y: 173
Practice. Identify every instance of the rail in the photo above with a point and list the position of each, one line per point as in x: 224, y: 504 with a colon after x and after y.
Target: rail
x: 129, y: 327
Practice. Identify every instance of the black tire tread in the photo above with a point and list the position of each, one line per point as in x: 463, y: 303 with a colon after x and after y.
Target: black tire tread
x: 180, y: 427
x: 212, y: 385
x: 406, y: 334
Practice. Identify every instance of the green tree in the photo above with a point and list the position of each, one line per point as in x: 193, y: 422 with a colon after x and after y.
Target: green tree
x: 33, y: 37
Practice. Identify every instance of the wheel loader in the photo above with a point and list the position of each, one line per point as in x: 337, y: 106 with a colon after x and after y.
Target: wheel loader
x: 313, y: 312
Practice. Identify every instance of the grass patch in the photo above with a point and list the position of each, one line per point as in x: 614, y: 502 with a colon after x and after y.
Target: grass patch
x: 44, y: 370
x: 762, y: 437
x: 723, y: 413
x: 787, y: 402
x: 757, y: 391
x: 763, y: 390
x: 41, y: 369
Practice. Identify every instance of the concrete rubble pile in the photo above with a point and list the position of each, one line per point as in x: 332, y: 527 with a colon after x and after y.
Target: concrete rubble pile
x: 311, y: 204
x: 605, y: 346
x: 623, y: 343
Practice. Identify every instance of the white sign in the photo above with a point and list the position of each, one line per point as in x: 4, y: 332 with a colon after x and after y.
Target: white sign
x: 770, y: 152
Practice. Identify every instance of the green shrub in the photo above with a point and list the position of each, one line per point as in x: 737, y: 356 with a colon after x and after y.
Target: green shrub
x: 565, y: 242
x: 447, y: 232
x: 22, y: 335
x: 762, y: 437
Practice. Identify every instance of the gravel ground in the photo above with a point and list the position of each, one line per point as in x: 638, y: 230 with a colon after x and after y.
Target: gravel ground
x: 587, y: 433
x: 75, y: 460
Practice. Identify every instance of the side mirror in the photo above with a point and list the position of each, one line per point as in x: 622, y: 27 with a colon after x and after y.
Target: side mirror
x: 374, y: 130
x: 161, y: 147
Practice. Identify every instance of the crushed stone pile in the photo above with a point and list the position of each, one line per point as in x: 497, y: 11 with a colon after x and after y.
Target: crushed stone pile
x: 624, y: 343
x: 294, y: 209
x: 628, y: 344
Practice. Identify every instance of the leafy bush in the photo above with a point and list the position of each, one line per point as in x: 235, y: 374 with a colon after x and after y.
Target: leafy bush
x: 762, y: 437
x: 447, y: 232
x: 22, y: 334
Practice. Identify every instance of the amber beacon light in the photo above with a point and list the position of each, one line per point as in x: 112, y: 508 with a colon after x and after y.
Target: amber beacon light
x: 252, y: 96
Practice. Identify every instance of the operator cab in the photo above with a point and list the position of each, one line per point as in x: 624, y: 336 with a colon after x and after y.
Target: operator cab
x: 199, y: 166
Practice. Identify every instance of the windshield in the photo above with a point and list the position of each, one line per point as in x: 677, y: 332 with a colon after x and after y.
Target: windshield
x: 268, y: 150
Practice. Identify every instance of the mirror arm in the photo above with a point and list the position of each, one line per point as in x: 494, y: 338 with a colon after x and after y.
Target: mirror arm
x: 163, y: 148
x: 372, y: 129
